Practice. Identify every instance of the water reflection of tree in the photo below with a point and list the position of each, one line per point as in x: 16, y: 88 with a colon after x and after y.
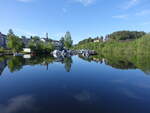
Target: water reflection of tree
x: 96, y: 58
x: 122, y: 61
x: 44, y: 60
x: 3, y: 64
x: 118, y: 61
x: 68, y: 62
x: 127, y: 61
x: 89, y: 59
x: 120, y: 64
x: 16, y: 63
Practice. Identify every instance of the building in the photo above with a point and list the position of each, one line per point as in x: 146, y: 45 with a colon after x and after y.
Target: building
x: 97, y: 40
x: 44, y: 40
x: 25, y: 41
x: 3, y: 40
x: 27, y: 50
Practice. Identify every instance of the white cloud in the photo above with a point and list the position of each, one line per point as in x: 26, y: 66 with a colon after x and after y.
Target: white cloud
x: 130, y: 4
x: 124, y: 16
x: 57, y: 35
x: 145, y: 23
x: 25, y: 1
x: 17, y: 104
x: 24, y: 32
x: 143, y: 13
x: 85, y: 2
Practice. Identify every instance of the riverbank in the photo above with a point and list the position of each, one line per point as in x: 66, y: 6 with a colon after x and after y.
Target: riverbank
x: 5, y: 52
x: 137, y: 46
x: 55, y: 53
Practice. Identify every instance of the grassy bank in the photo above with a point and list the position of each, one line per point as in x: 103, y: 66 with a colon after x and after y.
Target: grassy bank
x: 137, y: 46
x: 122, y: 54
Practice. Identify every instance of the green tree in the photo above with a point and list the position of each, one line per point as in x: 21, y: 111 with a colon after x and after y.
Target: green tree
x: 16, y: 63
x: 32, y: 45
x: 35, y: 38
x: 62, y: 40
x: 49, y: 47
x: 41, y: 47
x: 125, y: 35
x: 68, y: 40
x: 14, y: 42
x: 10, y: 32
x: 88, y: 40
x: 102, y: 38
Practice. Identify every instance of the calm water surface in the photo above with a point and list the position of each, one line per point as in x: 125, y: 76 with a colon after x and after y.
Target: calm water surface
x: 72, y: 85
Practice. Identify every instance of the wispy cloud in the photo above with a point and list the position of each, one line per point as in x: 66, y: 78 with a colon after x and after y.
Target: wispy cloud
x: 143, y: 13
x: 25, y: 1
x: 57, y: 35
x: 24, y: 32
x: 145, y: 23
x: 64, y: 10
x: 123, y: 16
x: 85, y: 2
x: 130, y: 4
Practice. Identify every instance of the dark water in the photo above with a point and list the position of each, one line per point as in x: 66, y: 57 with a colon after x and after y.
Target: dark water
x: 74, y: 85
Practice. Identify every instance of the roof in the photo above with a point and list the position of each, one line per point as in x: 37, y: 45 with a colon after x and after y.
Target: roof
x: 2, y: 35
x: 46, y: 39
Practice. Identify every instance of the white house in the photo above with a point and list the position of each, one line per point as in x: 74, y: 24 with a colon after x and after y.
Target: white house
x: 44, y: 39
x: 27, y: 50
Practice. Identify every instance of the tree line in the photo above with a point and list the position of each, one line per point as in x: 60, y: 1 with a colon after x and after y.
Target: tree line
x: 122, y: 42
x: 16, y: 44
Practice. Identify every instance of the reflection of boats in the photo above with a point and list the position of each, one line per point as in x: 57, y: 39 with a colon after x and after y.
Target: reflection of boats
x: 27, y: 56
x: 86, y: 53
x: 16, y: 63
x: 18, y: 54
x: 56, y: 53
x: 63, y: 53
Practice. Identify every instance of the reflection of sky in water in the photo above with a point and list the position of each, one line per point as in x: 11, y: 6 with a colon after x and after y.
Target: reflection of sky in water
x: 85, y: 96
x: 18, y: 104
x: 88, y: 87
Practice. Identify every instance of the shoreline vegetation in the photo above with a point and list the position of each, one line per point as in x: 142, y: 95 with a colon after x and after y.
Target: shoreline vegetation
x: 121, y: 42
x: 16, y: 63
x: 118, y: 44
x: 13, y: 44
x: 122, y: 50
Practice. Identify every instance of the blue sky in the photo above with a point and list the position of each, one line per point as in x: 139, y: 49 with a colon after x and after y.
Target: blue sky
x: 83, y: 18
